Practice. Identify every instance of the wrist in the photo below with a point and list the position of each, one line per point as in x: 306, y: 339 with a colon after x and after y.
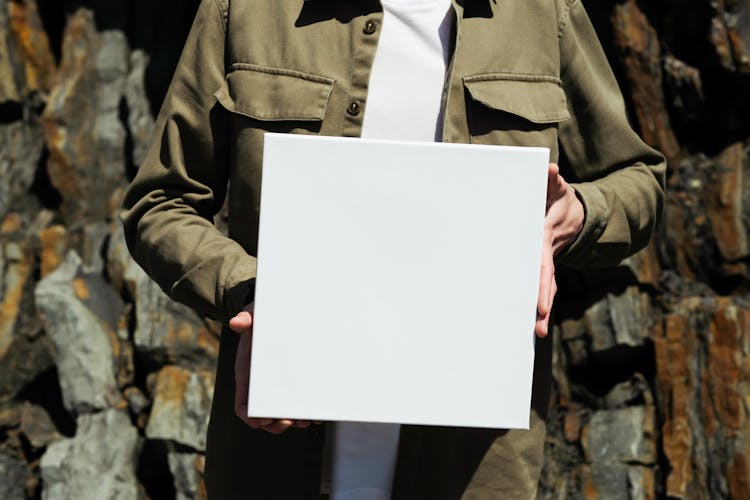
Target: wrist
x: 572, y: 224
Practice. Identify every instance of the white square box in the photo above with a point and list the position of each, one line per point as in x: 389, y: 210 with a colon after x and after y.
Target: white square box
x: 397, y: 281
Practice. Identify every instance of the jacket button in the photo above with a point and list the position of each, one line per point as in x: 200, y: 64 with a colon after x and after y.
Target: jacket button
x: 353, y: 108
x: 370, y: 27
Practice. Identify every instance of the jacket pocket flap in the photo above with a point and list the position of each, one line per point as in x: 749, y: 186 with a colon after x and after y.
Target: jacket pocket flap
x: 274, y: 94
x: 539, y: 99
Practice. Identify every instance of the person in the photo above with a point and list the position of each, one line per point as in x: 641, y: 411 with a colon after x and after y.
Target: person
x: 509, y: 72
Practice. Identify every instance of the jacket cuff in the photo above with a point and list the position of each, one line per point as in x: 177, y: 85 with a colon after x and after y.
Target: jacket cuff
x: 238, y: 293
x: 583, y: 249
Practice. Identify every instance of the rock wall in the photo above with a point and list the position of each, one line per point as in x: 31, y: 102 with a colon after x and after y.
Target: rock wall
x: 652, y: 360
x: 105, y: 384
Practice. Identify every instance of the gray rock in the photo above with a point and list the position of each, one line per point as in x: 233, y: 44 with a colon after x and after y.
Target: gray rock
x: 181, y: 406
x: 619, y: 482
x: 21, y: 146
x: 98, y: 463
x: 140, y: 121
x: 621, y: 436
x: 630, y: 393
x: 92, y: 239
x: 12, y: 477
x: 187, y: 470
x: 640, y: 482
x: 628, y: 315
x: 617, y: 319
x: 598, y: 326
x: 109, y: 132
x: 610, y: 481
x: 84, y: 133
x: 137, y: 401
x: 83, y: 341
x: 165, y: 330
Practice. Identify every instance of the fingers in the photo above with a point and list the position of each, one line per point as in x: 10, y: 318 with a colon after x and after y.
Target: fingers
x: 546, y: 279
x: 241, y: 384
x: 242, y: 378
x: 547, y: 288
x: 278, y: 426
x: 555, y: 184
x: 541, y: 328
x: 242, y: 322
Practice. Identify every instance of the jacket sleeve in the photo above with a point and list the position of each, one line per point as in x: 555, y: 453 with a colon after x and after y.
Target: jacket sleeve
x: 169, y: 207
x: 619, y: 179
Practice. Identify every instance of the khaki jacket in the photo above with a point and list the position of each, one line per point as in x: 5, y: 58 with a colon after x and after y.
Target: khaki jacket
x: 523, y: 72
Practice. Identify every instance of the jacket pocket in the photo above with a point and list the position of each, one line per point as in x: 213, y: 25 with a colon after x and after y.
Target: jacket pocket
x: 276, y: 99
x: 515, y: 110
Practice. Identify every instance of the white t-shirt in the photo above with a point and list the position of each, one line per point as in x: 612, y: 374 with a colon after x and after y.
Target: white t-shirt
x: 403, y: 102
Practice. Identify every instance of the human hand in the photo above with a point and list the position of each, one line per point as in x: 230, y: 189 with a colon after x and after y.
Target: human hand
x: 562, y: 223
x: 242, y: 323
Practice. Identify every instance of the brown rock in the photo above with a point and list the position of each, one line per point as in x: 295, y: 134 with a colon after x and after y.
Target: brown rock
x: 724, y: 203
x: 37, y: 426
x: 639, y: 47
x: 675, y: 381
x: 572, y: 426
x: 15, y: 270
x: 9, y: 91
x: 54, y: 244
x: 645, y: 265
x: 32, y: 40
x: 738, y: 473
x: 181, y: 406
x: 706, y: 224
x: 10, y: 415
x: 730, y: 38
x: 23, y: 354
x: 703, y: 373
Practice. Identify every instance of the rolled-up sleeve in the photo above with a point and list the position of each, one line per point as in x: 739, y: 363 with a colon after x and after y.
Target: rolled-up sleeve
x: 619, y: 178
x: 169, y: 207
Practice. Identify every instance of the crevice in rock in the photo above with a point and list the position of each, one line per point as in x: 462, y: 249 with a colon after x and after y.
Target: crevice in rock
x: 10, y: 111
x: 44, y: 391
x: 130, y: 167
x: 604, y: 369
x: 153, y: 470
x: 42, y: 187
x: 53, y: 14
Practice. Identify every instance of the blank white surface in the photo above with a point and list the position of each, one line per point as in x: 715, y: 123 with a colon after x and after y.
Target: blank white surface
x: 397, y: 281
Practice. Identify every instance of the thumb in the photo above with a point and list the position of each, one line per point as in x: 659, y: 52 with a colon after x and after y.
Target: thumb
x: 241, y: 322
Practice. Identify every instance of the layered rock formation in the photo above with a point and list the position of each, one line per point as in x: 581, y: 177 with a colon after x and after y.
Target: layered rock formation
x: 105, y: 381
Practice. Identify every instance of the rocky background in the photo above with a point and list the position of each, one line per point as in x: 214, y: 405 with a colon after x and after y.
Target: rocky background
x: 105, y: 384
